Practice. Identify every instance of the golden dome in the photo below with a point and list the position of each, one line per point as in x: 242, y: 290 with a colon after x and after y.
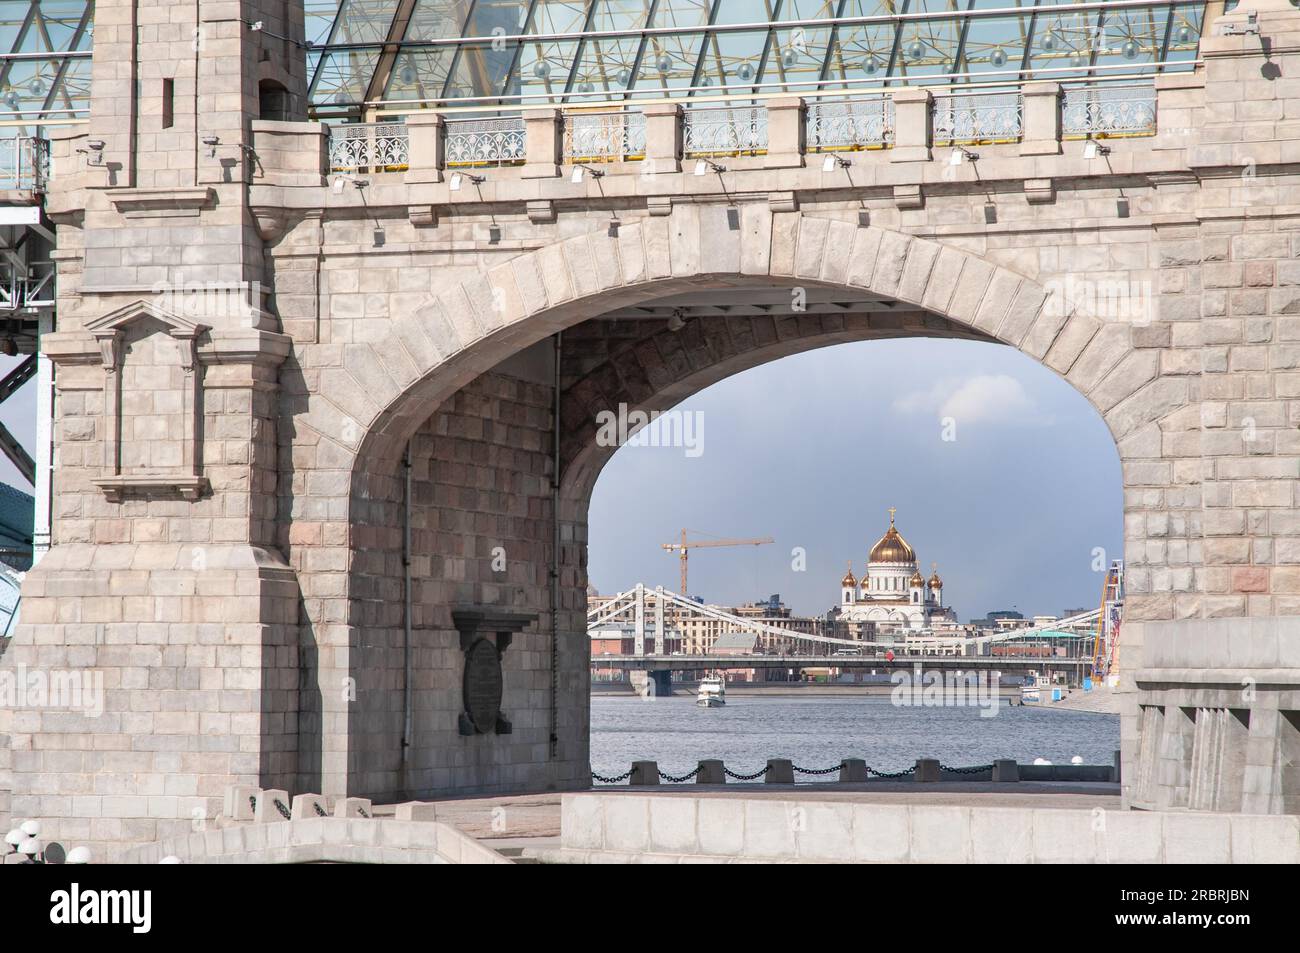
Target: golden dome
x: 935, y: 581
x: 892, y: 548
x: 848, y: 579
x: 916, y: 579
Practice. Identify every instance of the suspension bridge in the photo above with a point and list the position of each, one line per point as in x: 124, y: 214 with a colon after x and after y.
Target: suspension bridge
x: 649, y: 622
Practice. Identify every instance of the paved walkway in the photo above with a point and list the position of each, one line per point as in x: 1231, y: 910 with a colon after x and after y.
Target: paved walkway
x: 507, y: 823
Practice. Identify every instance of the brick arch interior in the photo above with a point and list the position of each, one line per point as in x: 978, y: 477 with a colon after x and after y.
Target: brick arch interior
x: 474, y: 405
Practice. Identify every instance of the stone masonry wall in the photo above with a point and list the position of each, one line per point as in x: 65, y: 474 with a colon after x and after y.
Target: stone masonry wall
x: 481, y: 534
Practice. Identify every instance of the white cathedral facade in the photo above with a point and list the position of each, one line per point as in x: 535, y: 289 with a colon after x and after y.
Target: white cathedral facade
x: 893, y: 594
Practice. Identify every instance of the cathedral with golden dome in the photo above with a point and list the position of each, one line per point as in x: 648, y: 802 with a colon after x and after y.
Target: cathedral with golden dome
x: 892, y: 593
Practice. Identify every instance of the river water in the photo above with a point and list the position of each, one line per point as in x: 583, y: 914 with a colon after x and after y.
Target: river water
x: 818, y: 731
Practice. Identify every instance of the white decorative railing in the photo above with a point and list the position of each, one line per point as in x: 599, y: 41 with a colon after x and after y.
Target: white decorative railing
x: 604, y: 136
x: 1103, y: 111
x: 24, y: 163
x: 866, y: 123
x: 369, y: 147
x: 724, y: 131
x: 978, y: 117
x: 474, y: 142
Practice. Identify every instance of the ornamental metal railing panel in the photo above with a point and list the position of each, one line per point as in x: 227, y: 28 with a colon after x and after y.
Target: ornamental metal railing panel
x: 975, y: 118
x: 1104, y: 111
x: 724, y: 131
x: 369, y: 147
x: 24, y: 163
x: 480, y: 142
x: 851, y: 124
x: 613, y: 136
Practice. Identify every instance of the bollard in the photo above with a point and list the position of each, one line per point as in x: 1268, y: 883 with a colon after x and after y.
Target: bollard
x: 643, y: 773
x: 353, y: 807
x: 1115, y: 775
x: 927, y: 769
x: 269, y: 804
x: 853, y: 769
x: 779, y: 771
x: 236, y: 806
x: 304, y: 807
x: 1006, y: 769
x: 711, y: 772
x: 417, y: 811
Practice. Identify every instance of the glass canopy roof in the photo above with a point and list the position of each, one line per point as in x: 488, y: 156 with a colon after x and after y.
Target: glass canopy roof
x: 397, y: 55
x: 44, y: 62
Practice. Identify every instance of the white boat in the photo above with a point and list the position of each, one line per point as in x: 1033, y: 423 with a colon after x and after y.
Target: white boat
x: 713, y: 692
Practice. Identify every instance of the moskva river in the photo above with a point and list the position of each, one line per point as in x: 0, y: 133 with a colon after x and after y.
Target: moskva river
x: 818, y: 731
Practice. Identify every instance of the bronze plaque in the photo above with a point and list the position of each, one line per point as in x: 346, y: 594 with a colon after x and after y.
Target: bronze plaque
x: 483, y: 685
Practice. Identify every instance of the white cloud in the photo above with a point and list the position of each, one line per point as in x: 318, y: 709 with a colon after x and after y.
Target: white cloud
x: 983, y: 397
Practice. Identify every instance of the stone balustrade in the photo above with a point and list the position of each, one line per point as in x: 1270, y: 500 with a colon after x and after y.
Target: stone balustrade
x: 908, y: 122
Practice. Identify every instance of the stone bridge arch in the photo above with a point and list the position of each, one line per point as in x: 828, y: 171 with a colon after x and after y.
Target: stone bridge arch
x: 415, y: 386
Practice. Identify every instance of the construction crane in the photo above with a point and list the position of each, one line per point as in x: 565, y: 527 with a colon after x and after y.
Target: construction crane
x: 684, y: 548
x: 1106, y: 642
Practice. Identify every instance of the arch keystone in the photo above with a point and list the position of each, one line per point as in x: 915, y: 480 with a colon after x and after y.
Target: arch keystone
x: 785, y: 236
x: 810, y: 247
x: 631, y: 255
x: 755, y: 240
x: 719, y: 242
x: 684, y: 242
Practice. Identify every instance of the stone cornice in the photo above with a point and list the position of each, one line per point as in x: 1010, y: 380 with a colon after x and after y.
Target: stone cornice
x: 137, y: 202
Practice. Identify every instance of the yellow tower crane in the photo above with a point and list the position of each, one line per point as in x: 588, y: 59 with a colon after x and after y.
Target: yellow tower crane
x: 683, y: 548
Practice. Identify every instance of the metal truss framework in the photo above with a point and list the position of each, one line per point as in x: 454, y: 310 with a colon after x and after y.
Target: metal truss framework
x: 397, y: 55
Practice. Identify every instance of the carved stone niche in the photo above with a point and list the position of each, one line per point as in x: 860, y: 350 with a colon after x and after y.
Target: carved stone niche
x: 152, y: 403
x: 485, y: 634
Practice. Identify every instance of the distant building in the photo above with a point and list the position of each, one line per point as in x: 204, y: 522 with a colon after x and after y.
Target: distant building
x: 892, y: 594
x: 1001, y: 619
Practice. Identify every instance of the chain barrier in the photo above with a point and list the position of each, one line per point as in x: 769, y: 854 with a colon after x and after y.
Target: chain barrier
x: 678, y: 780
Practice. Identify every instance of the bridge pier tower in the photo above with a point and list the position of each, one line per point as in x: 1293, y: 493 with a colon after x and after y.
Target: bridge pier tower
x: 651, y: 683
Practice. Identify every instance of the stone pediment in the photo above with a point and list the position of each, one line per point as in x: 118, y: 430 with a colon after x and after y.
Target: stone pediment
x: 108, y: 329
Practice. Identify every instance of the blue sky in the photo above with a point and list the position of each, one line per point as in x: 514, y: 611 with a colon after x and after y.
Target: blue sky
x: 813, y: 449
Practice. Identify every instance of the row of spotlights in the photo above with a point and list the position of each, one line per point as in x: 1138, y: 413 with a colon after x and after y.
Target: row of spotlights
x: 25, y: 839
x: 1091, y: 150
